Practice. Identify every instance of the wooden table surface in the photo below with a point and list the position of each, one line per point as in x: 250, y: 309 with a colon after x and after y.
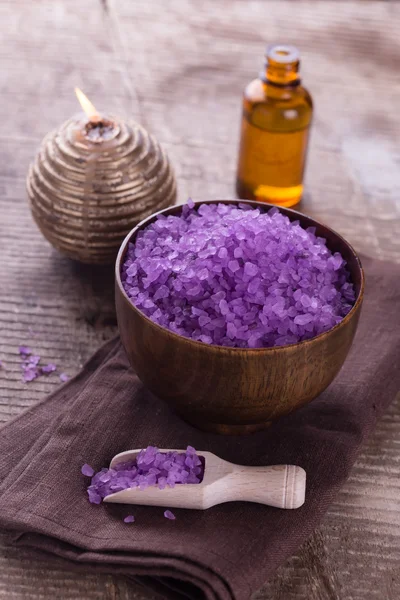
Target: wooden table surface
x: 179, y: 67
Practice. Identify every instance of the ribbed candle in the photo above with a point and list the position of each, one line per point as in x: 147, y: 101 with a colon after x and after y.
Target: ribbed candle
x: 90, y: 183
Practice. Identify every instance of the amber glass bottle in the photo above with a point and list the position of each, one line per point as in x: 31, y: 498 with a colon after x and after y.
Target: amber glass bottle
x: 276, y: 121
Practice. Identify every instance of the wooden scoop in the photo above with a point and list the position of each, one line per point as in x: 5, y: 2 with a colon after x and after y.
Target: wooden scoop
x: 282, y: 486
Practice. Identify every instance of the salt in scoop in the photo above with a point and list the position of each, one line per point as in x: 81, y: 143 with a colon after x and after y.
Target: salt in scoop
x: 282, y: 486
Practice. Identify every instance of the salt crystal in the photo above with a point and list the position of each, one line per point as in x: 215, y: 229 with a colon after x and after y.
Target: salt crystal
x: 231, y: 330
x: 132, y: 270
x: 204, y: 320
x: 233, y: 265
x: 224, y: 307
x: 162, y: 292
x: 253, y: 286
x: 24, y: 350
x: 50, y: 368
x: 305, y: 300
x: 87, y: 470
x: 169, y: 515
x: 250, y: 269
x: 203, y: 274
x: 303, y: 319
x: 105, y: 477
x: 30, y: 374
x: 94, y: 497
x: 129, y: 519
x: 33, y: 360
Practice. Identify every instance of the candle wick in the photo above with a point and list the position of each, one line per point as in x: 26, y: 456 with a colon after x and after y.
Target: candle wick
x: 101, y: 129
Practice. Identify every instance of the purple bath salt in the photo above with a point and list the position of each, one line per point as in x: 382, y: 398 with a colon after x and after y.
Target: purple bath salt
x: 24, y: 350
x: 237, y: 276
x: 129, y: 519
x: 87, y: 470
x: 150, y: 468
x: 29, y: 374
x: 169, y: 515
x: 47, y: 369
x: 30, y: 365
x: 33, y: 360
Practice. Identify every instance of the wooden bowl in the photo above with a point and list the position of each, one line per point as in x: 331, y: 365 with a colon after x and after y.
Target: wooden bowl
x: 235, y: 390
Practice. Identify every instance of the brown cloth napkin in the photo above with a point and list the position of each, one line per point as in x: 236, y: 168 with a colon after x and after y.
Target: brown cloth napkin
x: 226, y: 552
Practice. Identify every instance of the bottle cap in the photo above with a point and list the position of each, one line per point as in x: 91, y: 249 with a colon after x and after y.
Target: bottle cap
x: 281, y: 53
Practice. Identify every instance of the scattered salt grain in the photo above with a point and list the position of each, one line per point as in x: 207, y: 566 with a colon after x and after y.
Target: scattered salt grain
x: 29, y: 374
x: 169, y: 515
x: 50, y: 368
x: 30, y: 366
x: 129, y: 519
x: 94, y: 497
x: 87, y: 470
x: 236, y: 276
x: 150, y: 468
x: 24, y: 350
x: 33, y: 360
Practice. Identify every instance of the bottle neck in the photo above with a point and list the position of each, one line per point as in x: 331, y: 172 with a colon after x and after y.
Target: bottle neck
x: 282, y: 66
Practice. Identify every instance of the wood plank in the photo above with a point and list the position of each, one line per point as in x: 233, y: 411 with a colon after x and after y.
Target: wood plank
x: 180, y: 68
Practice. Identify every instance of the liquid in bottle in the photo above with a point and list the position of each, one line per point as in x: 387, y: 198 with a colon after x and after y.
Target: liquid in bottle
x: 277, y: 113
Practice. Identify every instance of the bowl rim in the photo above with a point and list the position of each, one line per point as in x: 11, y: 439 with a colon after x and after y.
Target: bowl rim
x: 265, y: 206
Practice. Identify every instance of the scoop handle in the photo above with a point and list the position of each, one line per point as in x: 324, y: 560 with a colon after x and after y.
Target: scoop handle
x: 283, y: 486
